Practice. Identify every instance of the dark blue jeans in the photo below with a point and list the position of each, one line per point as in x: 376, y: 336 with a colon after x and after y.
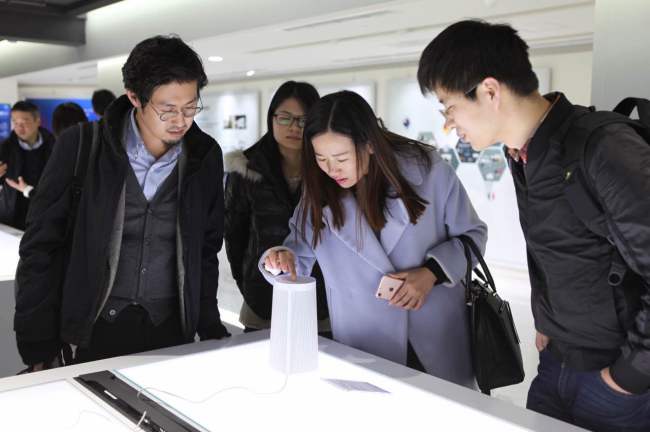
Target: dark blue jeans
x: 584, y: 399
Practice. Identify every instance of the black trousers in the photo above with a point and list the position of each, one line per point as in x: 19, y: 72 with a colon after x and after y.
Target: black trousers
x: 131, y: 332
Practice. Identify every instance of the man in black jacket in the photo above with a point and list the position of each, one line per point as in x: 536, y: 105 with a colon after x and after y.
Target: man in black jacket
x: 143, y: 269
x: 22, y: 159
x: 594, y: 339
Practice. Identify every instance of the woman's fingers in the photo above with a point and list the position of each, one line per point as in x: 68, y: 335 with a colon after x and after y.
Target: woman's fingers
x: 292, y: 269
x: 399, y: 296
x: 285, y: 261
x: 406, y: 297
x: 413, y: 303
x: 271, y: 260
x: 408, y: 302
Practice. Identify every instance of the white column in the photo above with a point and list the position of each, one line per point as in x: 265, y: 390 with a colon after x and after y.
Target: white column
x: 8, y: 90
x: 109, y: 74
x: 621, y: 62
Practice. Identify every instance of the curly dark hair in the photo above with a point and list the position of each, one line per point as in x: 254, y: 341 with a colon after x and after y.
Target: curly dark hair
x: 158, y: 61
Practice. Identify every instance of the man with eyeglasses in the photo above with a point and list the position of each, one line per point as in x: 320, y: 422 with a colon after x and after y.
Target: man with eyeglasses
x: 142, y: 271
x: 593, y: 333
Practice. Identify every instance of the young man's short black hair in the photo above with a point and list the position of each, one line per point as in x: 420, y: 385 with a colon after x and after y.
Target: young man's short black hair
x: 158, y: 61
x: 467, y: 52
x: 26, y: 106
x: 101, y: 99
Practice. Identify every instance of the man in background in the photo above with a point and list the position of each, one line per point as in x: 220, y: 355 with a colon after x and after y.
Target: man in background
x: 22, y: 160
x: 101, y: 100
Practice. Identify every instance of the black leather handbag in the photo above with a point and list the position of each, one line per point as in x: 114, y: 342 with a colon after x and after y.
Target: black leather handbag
x: 495, y: 343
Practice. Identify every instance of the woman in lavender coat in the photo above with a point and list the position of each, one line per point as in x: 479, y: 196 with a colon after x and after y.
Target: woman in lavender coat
x: 376, y: 204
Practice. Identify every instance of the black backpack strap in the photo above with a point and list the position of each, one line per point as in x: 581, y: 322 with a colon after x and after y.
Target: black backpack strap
x: 88, y: 133
x: 578, y: 188
x: 627, y: 105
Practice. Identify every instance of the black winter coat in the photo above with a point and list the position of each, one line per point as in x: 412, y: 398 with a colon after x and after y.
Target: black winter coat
x: 591, y: 324
x: 258, y: 208
x: 46, y: 313
x: 13, y: 155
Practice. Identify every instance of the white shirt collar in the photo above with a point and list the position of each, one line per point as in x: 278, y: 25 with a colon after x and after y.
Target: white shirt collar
x: 25, y: 145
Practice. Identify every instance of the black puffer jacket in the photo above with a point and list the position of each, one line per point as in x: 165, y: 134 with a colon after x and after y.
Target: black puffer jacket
x: 258, y: 208
x: 13, y: 206
x: 591, y: 325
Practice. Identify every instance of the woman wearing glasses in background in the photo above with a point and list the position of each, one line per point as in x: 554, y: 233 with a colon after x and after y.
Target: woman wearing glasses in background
x: 263, y: 186
x: 376, y: 205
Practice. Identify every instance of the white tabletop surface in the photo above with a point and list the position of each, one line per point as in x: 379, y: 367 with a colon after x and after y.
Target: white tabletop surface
x: 9, y: 242
x: 57, y: 406
x: 415, y: 399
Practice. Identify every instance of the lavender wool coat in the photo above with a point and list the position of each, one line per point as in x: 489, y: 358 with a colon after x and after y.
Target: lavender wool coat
x: 353, y: 261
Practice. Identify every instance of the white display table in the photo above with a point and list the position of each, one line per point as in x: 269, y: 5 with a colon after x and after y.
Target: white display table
x: 259, y: 398
x: 9, y: 241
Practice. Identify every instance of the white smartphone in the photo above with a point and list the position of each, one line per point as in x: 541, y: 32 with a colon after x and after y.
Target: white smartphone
x: 388, y: 286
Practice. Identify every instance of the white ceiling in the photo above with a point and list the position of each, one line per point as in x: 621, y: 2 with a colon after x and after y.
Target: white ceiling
x: 384, y: 33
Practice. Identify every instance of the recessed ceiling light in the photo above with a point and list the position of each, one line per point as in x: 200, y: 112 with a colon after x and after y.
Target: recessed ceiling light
x: 250, y: 73
x: 215, y: 59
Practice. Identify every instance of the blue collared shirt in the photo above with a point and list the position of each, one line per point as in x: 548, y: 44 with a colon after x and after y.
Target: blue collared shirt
x: 151, y: 173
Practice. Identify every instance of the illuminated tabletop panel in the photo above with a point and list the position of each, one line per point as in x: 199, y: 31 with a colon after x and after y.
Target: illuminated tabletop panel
x: 57, y: 407
x: 265, y: 400
x: 9, y: 242
x: 231, y: 388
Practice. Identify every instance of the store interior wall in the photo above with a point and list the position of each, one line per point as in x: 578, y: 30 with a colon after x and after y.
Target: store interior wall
x: 620, y: 53
x: 569, y: 72
x: 8, y: 90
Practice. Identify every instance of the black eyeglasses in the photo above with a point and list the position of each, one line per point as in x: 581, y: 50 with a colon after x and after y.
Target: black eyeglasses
x: 187, y: 112
x: 447, y: 111
x: 287, y: 119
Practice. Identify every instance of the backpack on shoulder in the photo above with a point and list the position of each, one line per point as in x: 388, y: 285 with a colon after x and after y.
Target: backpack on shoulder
x: 578, y: 188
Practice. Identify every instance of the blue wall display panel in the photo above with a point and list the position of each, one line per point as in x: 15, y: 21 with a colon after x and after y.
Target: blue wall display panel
x: 47, y: 106
x: 5, y: 121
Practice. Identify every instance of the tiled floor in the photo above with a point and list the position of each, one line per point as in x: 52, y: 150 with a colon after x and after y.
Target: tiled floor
x: 512, y: 285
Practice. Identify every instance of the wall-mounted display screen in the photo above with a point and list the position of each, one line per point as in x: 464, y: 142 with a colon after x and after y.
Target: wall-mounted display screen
x: 5, y: 121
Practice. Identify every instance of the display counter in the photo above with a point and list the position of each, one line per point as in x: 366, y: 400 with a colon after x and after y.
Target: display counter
x: 229, y: 385
x: 9, y: 241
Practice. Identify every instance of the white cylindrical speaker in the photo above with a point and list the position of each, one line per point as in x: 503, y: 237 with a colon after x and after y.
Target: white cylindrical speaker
x: 294, y: 327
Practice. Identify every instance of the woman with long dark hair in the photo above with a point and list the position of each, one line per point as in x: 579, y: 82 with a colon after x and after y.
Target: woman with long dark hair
x: 377, y: 205
x: 263, y: 186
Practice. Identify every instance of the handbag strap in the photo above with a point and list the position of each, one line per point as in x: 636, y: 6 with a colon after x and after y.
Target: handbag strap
x: 471, y: 248
x: 468, y: 274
